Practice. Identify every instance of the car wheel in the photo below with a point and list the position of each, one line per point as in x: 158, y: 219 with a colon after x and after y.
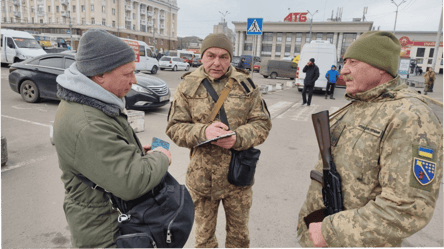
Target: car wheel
x: 16, y: 60
x: 161, y: 69
x: 29, y: 91
x: 187, y: 69
x: 291, y: 78
x: 273, y: 75
x: 265, y: 76
x: 154, y: 70
x: 175, y: 68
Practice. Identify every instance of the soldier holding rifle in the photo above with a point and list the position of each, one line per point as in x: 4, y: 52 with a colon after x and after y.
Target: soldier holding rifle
x: 387, y: 147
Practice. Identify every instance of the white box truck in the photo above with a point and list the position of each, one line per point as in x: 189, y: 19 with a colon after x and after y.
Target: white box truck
x: 324, y: 54
x: 145, y: 60
x: 18, y: 46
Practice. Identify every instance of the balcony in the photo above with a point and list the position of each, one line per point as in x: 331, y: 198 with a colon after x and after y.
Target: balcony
x: 149, y: 23
x: 150, y: 13
x: 162, y: 17
x: 128, y: 7
x: 16, y: 2
x: 143, y: 22
x: 128, y: 18
x: 64, y: 13
x: 162, y: 26
x: 64, y: 2
x: 143, y: 11
x: 17, y: 13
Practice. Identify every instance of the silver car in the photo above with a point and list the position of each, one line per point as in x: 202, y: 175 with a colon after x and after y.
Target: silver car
x: 173, y: 63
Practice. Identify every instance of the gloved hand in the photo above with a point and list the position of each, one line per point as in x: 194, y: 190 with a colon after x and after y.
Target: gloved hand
x: 226, y: 143
x: 163, y: 150
x: 216, y: 129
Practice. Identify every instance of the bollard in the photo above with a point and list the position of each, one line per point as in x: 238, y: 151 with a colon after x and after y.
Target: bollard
x: 271, y: 88
x: 290, y: 84
x: 4, y: 151
x: 279, y: 86
x: 263, y: 89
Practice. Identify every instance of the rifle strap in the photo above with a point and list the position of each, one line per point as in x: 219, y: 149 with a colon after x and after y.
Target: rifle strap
x: 219, y: 100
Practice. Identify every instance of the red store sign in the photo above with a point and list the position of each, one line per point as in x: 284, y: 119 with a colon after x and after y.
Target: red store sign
x: 296, y: 17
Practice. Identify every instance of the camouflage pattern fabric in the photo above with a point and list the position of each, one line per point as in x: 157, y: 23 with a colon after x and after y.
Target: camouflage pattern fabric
x: 429, y: 77
x: 387, y: 146
x: 237, y: 211
x: 207, y: 173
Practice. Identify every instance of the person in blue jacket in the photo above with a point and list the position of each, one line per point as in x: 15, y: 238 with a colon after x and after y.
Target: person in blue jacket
x: 332, y: 76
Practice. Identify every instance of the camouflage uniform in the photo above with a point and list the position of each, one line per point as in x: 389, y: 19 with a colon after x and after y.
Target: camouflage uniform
x: 429, y: 77
x: 208, y: 169
x: 378, y: 141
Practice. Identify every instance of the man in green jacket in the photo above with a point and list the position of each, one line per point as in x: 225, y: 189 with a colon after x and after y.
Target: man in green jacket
x: 188, y: 124
x: 94, y: 139
x: 387, y: 145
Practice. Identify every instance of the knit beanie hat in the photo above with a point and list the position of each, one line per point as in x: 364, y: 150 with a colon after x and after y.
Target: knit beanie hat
x: 312, y: 60
x: 100, y: 52
x: 380, y: 49
x: 217, y: 41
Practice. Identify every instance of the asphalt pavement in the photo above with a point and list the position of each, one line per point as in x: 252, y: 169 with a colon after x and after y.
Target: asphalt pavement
x: 32, y: 192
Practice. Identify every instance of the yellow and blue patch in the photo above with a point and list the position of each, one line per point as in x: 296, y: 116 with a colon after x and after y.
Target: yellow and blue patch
x: 425, y: 152
x: 424, y: 171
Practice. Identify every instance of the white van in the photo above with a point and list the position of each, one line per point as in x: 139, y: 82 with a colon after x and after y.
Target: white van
x: 18, y: 46
x: 324, y: 54
x: 145, y: 60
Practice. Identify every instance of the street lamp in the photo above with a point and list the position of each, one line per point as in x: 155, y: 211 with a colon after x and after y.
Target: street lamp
x: 397, y: 5
x: 311, y: 22
x: 70, y: 29
x: 224, y: 14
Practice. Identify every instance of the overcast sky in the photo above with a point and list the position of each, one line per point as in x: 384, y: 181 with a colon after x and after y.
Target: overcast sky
x: 197, y: 17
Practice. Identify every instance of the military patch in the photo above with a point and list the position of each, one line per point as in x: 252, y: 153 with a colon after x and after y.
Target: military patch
x: 425, y: 152
x: 374, y: 131
x: 424, y: 171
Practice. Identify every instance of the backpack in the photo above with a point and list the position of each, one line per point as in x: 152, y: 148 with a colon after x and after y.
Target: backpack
x: 163, y: 217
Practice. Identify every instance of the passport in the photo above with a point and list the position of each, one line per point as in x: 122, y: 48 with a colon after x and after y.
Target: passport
x: 159, y: 142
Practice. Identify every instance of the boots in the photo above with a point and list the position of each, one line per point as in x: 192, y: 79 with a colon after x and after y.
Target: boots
x: 331, y: 97
x: 325, y: 96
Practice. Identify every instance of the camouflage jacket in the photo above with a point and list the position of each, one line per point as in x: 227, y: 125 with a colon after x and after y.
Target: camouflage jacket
x: 429, y: 75
x: 188, y: 119
x: 382, y: 143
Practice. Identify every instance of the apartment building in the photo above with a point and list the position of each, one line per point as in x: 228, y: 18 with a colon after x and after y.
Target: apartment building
x: 151, y: 21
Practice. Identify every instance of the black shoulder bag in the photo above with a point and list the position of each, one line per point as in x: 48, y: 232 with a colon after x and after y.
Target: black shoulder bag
x: 243, y: 163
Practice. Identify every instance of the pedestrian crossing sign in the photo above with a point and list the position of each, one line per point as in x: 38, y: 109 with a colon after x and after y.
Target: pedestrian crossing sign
x: 254, y: 26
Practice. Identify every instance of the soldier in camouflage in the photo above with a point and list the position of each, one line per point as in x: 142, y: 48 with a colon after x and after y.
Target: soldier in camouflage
x: 388, y: 147
x: 188, y: 124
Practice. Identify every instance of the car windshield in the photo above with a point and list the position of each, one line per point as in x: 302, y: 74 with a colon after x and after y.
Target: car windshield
x: 26, y: 43
x: 236, y: 60
x: 165, y: 58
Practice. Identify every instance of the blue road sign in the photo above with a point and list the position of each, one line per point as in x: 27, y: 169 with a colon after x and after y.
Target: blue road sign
x: 254, y: 26
x: 68, y: 31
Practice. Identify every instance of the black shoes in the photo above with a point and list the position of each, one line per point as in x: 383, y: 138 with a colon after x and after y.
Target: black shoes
x: 304, y: 103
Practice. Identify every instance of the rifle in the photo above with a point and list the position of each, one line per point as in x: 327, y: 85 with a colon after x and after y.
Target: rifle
x: 330, y: 179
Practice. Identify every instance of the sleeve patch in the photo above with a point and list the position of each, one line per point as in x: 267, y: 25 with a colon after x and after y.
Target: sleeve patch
x: 424, y: 167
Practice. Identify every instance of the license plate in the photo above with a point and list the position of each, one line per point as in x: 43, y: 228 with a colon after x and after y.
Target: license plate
x: 164, y: 98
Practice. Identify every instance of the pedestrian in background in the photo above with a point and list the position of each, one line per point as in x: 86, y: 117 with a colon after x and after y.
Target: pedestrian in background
x: 429, y: 78
x: 332, y: 76
x: 188, y: 125
x: 94, y: 140
x: 311, y: 75
x: 241, y: 64
x: 387, y: 145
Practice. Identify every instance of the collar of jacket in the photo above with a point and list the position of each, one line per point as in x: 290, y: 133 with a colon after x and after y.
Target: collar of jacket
x: 197, y: 76
x: 388, y: 89
x: 68, y: 95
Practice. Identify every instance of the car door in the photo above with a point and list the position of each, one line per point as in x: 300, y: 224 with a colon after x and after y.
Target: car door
x: 184, y: 64
x: 46, y: 73
x: 10, y: 50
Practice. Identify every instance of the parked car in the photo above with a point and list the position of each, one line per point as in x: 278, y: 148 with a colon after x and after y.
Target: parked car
x: 278, y: 68
x: 248, y: 59
x: 173, y: 63
x: 235, y: 61
x: 256, y: 67
x: 35, y: 79
x: 196, y: 62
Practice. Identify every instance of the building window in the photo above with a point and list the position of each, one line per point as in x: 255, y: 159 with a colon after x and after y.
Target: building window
x: 346, y: 41
x: 57, y: 20
x: 41, y: 20
x: 10, y: 8
x: 92, y: 7
x: 297, y: 47
x: 57, y: 9
x: 431, y: 52
x: 279, y: 37
x: 49, y: 8
x: 103, y: 22
x: 268, y: 37
x: 83, y: 8
x: 319, y: 36
x: 49, y: 19
x: 32, y: 9
x: 73, y: 9
x: 330, y: 37
x: 114, y: 1
x: 288, y: 38
x: 114, y: 24
x: 307, y: 37
x: 278, y: 49
x: 31, y: 19
x: 93, y: 21
x: 83, y: 20
x: 134, y: 16
x: 266, y: 50
x: 287, y: 50
x: 114, y: 12
x: 134, y: 26
x: 429, y: 61
x: 419, y: 61
x: 103, y: 9
x: 174, y: 36
x: 247, y: 47
x: 420, y: 52
x: 174, y: 16
x: 161, y: 42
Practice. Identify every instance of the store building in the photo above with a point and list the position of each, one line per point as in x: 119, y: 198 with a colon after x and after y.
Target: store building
x: 151, y: 21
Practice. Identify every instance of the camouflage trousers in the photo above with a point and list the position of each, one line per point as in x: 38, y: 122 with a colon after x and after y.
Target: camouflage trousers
x: 237, y: 213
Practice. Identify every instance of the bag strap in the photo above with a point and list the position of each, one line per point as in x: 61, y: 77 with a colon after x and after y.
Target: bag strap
x: 219, y: 100
x: 91, y: 184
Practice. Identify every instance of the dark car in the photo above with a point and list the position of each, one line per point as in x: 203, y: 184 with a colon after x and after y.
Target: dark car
x: 196, y: 62
x: 35, y: 79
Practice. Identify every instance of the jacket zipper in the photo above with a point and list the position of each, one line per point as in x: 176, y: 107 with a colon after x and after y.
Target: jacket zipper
x: 169, y: 235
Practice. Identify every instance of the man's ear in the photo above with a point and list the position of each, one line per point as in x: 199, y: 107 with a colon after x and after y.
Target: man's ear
x: 99, y: 79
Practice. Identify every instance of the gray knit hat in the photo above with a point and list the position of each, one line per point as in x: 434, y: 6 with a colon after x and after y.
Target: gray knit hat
x: 100, y: 52
x: 218, y: 41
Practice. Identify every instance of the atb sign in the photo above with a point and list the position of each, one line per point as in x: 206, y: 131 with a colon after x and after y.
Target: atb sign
x: 296, y: 17
x: 254, y: 26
